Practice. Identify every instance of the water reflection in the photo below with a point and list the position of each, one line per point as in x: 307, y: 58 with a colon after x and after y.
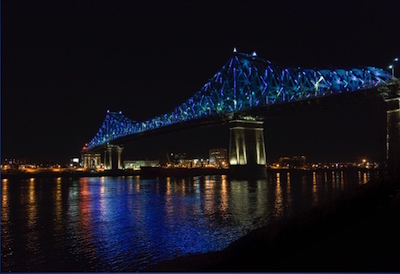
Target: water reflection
x: 288, y: 191
x: 32, y: 234
x: 239, y: 195
x: 57, y: 194
x: 223, y: 207
x: 168, y: 198
x: 279, y: 206
x: 366, y: 177
x: 32, y: 206
x: 314, y: 189
x: 262, y: 197
x: 209, y: 197
x: 5, y: 214
x: 183, y: 186
x: 103, y: 201
x: 85, y: 215
x: 120, y: 224
x: 6, y: 235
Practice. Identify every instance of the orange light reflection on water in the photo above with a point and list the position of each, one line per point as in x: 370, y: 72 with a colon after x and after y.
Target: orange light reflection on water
x: 5, y: 212
x: 32, y: 236
x: 278, y: 194
x: 85, y: 209
x: 209, y: 195
x: 314, y: 189
x: 224, y: 195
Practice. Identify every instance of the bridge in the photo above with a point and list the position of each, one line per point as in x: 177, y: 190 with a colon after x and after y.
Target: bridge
x: 246, y: 89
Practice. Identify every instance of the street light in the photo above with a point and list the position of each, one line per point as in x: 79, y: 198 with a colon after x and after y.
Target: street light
x: 392, y: 68
x: 392, y: 65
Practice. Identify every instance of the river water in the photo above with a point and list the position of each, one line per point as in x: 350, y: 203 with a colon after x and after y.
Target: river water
x: 127, y: 223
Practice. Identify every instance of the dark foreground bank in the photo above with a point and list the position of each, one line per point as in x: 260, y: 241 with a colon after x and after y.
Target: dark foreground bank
x: 355, y: 232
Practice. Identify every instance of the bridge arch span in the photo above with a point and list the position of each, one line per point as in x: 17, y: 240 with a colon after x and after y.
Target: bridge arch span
x: 245, y: 84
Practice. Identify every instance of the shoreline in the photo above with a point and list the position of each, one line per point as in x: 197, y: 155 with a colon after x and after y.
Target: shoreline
x: 147, y: 172
x: 160, y: 172
x: 355, y: 232
x: 64, y: 174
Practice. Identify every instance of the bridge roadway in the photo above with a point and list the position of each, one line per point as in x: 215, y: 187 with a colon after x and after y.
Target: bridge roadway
x: 261, y: 113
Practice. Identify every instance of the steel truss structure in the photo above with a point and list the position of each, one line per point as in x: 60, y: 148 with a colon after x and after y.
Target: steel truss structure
x: 245, y: 82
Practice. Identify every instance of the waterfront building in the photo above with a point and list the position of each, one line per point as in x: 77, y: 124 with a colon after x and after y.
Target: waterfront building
x: 177, y: 158
x: 218, y: 157
x: 137, y: 164
x: 295, y: 162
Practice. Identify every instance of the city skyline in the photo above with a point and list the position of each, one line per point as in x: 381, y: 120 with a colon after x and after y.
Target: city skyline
x: 65, y: 64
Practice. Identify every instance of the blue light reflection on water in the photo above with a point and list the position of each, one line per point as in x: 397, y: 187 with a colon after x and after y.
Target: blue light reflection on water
x: 128, y: 223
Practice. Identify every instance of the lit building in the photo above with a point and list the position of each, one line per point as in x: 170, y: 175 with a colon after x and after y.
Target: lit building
x: 137, y: 164
x: 295, y: 162
x: 218, y: 157
x: 75, y: 162
x: 177, y: 158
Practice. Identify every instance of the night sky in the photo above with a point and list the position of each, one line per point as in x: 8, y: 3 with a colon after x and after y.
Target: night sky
x: 65, y: 63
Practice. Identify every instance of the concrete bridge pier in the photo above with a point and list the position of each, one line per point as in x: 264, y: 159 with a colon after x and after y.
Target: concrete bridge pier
x: 247, y: 157
x: 393, y: 135
x: 112, y: 157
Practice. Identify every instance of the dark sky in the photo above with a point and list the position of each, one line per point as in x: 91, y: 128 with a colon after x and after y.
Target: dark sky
x: 64, y: 63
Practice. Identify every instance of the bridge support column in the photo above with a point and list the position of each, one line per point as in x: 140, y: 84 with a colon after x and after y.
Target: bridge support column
x: 393, y: 135
x: 112, y: 157
x: 247, y: 157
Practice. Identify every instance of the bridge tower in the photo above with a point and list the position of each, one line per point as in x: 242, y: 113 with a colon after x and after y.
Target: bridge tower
x: 392, y: 102
x: 112, y: 157
x: 247, y: 157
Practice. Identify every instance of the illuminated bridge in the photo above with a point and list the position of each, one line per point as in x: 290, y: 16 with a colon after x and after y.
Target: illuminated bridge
x: 243, y: 91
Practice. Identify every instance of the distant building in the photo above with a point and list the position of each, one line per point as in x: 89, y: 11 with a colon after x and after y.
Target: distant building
x: 295, y: 162
x: 177, y: 158
x: 14, y: 161
x: 75, y: 162
x: 136, y: 164
x: 218, y: 157
x: 12, y: 164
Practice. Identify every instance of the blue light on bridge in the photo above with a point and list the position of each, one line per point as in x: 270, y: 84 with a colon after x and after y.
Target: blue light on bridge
x: 243, y: 83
